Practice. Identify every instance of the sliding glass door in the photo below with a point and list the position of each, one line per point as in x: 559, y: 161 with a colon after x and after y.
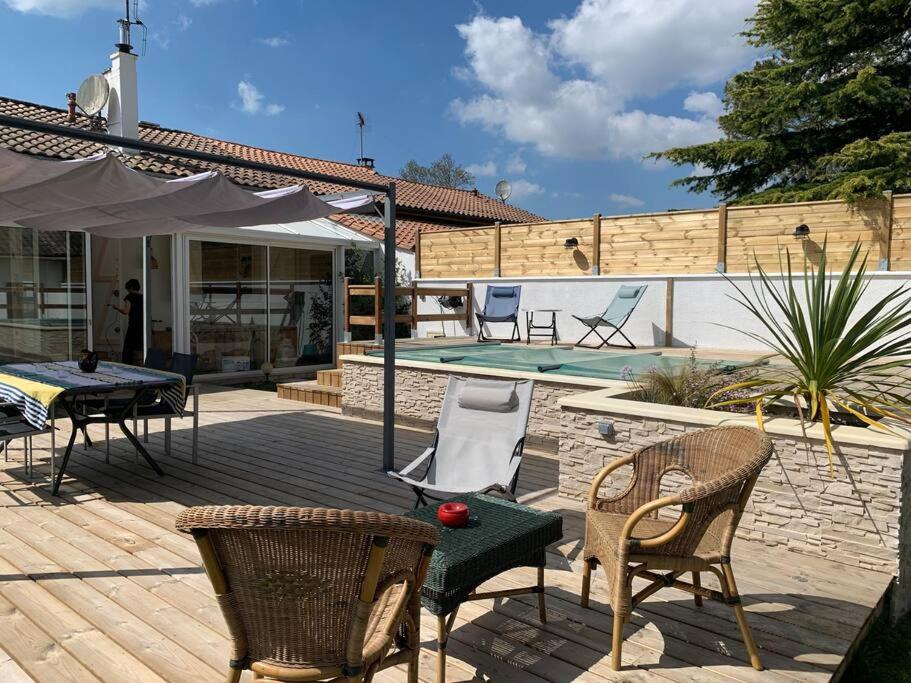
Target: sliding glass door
x: 252, y: 303
x: 42, y: 295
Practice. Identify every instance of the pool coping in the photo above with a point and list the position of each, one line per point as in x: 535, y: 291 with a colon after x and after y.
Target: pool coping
x: 491, y: 372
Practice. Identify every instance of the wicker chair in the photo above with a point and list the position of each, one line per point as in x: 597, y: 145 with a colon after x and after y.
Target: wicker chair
x: 314, y: 594
x: 627, y: 537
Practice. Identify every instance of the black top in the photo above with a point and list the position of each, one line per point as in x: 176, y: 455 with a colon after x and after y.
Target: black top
x: 134, y: 322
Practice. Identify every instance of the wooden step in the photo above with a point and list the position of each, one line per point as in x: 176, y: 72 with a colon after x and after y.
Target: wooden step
x: 329, y: 378
x: 355, y: 348
x: 311, y: 392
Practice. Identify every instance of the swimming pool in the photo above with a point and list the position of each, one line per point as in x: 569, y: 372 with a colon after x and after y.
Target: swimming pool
x: 554, y: 360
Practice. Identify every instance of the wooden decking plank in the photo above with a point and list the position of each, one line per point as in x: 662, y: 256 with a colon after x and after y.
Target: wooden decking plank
x: 124, y: 626
x: 36, y: 652
x: 10, y: 671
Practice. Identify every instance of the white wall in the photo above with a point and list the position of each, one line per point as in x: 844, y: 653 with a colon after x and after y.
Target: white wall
x: 704, y: 315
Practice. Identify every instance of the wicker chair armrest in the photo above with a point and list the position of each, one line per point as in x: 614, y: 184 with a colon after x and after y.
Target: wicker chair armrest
x: 650, y: 508
x: 594, y: 499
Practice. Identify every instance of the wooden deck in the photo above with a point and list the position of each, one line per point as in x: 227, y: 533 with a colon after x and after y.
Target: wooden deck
x: 97, y: 586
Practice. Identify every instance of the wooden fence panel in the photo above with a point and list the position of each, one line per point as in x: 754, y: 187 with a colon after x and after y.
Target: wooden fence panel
x: 672, y: 242
x: 901, y: 232
x: 768, y: 231
x: 677, y: 241
x: 458, y: 253
x: 538, y: 248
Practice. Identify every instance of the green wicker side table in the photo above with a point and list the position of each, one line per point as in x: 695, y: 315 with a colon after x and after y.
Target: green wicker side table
x: 500, y: 535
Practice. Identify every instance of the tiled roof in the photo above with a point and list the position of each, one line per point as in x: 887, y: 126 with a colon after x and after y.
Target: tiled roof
x: 405, y: 229
x: 440, y: 201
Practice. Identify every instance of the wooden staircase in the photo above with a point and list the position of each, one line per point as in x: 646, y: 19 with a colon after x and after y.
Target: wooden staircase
x: 326, y: 389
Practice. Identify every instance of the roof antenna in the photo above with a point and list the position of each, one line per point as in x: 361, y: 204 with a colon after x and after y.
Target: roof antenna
x: 125, y: 25
x: 362, y: 125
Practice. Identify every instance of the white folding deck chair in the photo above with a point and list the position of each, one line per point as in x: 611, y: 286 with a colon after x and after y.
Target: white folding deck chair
x: 478, y: 442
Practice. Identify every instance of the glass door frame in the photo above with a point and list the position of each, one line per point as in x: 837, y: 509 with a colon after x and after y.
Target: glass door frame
x: 181, y: 302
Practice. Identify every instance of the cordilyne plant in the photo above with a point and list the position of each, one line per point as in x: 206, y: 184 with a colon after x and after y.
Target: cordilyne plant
x: 838, y: 355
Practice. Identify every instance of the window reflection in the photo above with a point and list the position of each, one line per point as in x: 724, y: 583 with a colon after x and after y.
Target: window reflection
x: 42, y: 295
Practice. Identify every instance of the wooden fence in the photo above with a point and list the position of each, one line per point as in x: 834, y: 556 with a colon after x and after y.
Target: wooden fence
x: 724, y: 239
x: 375, y: 292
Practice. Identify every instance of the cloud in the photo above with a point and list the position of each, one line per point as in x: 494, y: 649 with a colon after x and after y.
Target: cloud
x: 524, y: 188
x: 516, y: 165
x: 625, y: 200
x: 568, y: 91
x: 488, y: 168
x: 274, y: 41
x: 707, y: 103
x: 202, y: 3
x: 252, y: 101
x: 63, y: 9
x: 183, y: 22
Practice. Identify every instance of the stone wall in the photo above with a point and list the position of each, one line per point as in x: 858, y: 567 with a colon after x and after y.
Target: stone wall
x: 853, y: 517
x: 419, y: 396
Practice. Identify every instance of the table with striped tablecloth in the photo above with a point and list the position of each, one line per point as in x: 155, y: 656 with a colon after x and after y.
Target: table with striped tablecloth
x: 35, y: 387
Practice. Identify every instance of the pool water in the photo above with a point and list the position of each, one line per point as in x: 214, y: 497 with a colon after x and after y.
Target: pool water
x: 554, y: 360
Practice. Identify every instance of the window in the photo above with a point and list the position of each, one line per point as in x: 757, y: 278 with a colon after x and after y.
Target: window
x: 42, y: 295
x: 252, y: 303
x: 301, y: 308
x: 228, y: 321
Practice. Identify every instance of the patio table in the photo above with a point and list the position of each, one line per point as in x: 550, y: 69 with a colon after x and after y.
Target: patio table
x: 500, y: 535
x: 36, y: 388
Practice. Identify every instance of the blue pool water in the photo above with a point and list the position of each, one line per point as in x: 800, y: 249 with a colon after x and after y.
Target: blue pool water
x: 554, y: 360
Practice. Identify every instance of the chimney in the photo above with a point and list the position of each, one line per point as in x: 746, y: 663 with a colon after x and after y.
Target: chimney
x: 123, y: 104
x: 70, y: 107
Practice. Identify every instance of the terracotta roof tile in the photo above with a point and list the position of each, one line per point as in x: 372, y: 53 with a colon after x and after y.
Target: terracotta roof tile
x: 405, y: 229
x: 439, y: 201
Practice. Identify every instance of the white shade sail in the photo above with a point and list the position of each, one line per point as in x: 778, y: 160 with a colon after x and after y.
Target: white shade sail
x: 102, y: 196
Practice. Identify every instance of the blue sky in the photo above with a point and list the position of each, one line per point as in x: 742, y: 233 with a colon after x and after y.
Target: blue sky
x: 560, y: 97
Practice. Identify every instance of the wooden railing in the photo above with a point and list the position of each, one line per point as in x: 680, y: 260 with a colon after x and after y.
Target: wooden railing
x: 413, y: 292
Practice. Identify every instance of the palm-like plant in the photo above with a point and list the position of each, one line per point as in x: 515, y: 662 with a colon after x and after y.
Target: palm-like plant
x: 839, y: 356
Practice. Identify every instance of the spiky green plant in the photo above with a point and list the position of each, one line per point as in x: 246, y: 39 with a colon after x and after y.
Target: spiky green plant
x: 837, y: 354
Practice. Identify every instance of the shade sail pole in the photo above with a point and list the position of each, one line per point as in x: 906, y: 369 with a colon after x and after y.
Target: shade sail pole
x: 389, y: 332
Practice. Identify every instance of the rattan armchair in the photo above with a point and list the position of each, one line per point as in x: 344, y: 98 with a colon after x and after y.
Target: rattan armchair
x: 626, y: 535
x: 314, y: 594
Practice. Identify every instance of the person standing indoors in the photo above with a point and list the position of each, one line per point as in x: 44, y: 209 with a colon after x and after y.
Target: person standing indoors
x: 132, y: 308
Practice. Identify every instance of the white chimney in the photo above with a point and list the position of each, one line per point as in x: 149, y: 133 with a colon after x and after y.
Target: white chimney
x: 123, y: 103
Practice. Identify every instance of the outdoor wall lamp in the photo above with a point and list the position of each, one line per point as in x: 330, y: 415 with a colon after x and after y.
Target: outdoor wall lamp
x: 571, y: 243
x: 802, y: 232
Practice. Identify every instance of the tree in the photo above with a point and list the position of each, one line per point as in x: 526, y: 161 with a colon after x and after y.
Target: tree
x: 444, y: 171
x: 826, y: 115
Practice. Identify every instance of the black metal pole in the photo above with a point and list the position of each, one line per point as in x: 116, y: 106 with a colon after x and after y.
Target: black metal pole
x: 389, y: 332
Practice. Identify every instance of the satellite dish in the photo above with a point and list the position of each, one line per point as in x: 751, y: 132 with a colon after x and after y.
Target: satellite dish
x: 503, y: 190
x: 93, y: 94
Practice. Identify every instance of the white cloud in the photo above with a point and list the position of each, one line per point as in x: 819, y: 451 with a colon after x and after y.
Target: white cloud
x: 488, y: 168
x: 274, y: 41
x: 707, y: 103
x: 625, y: 200
x: 524, y: 188
x: 252, y: 101
x: 183, y: 22
x: 202, y: 3
x: 568, y: 91
x: 63, y: 9
x: 516, y: 165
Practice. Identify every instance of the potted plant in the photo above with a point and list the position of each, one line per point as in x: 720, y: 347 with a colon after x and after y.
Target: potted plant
x: 839, y: 357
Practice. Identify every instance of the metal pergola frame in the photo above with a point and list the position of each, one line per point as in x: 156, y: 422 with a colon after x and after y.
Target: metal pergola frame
x: 388, y: 243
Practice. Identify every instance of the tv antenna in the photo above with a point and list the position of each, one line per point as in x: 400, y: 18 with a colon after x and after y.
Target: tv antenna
x: 503, y: 190
x: 91, y: 97
x: 362, y: 126
x: 126, y: 24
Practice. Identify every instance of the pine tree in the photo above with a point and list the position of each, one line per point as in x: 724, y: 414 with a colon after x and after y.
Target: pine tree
x: 826, y: 115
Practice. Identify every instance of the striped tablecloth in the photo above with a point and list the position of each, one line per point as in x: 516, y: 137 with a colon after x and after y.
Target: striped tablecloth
x: 33, y: 387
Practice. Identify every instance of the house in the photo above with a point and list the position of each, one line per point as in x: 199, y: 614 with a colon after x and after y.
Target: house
x: 236, y: 297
